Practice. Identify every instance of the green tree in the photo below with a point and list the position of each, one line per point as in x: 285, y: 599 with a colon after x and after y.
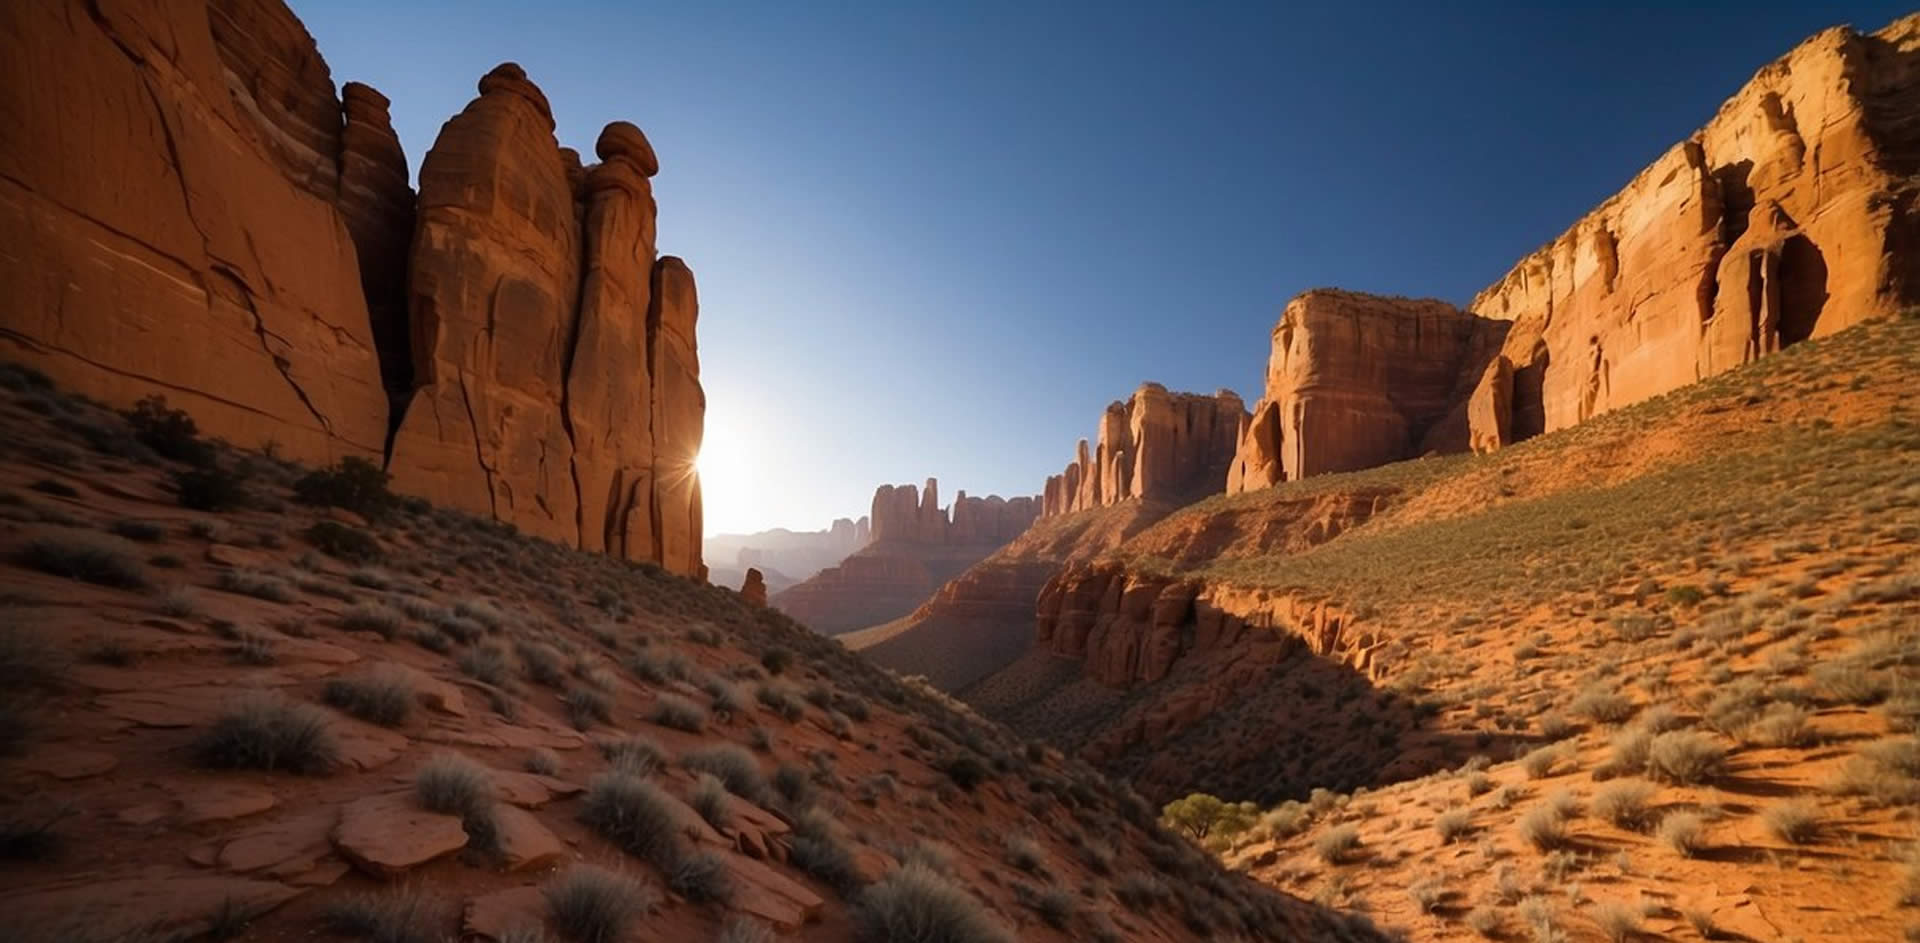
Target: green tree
x: 1200, y: 815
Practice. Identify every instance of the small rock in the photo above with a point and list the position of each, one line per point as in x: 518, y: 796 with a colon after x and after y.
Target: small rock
x: 493, y: 916
x: 524, y: 842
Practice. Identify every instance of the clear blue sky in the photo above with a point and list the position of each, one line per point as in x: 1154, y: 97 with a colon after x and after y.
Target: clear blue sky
x: 937, y: 238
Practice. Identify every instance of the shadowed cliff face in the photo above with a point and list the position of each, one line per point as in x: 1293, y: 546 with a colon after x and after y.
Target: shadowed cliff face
x: 1789, y: 215
x: 509, y: 343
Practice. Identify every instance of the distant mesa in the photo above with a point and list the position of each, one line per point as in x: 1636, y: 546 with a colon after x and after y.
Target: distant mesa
x: 783, y: 556
x: 917, y: 546
x: 508, y: 341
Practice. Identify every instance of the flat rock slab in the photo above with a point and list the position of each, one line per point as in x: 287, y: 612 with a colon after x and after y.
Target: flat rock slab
x: 388, y: 834
x: 170, y: 707
x: 66, y: 763
x: 493, y: 916
x: 531, y: 790
x: 364, y: 746
x: 765, y: 893
x: 204, y: 801
x: 289, y: 845
x: 156, y: 907
x: 524, y: 842
x: 231, y: 556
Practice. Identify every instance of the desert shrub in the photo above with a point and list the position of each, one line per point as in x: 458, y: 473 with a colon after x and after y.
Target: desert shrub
x: 1427, y: 894
x: 354, y: 484
x: 698, y: 876
x: 733, y: 765
x: 594, y: 905
x: 371, y: 617
x: 1336, y: 843
x: 638, y: 817
x: 781, y: 700
x: 587, y: 705
x: 1453, y: 825
x: 451, y: 784
x: 1284, y: 820
x: 1684, y: 832
x: 709, y: 798
x: 1686, y: 758
x: 540, y: 664
x: 1784, y: 725
x: 542, y: 761
x: 671, y: 710
x: 1024, y: 853
x: 1540, y: 762
x: 1484, y: 921
x: 342, y: 542
x: 1796, y: 822
x: 1053, y: 905
x: 916, y: 904
x: 89, y: 559
x: 382, y: 696
x: 793, y: 784
x: 487, y: 664
x: 268, y: 732
x: 1851, y: 682
x: 776, y: 660
x: 170, y: 433
x: 635, y: 756
x: 818, y: 849
x: 1200, y: 815
x: 1602, y: 706
x: 1624, y: 804
x: 212, y: 488
x: 1618, y: 922
x: 400, y: 916
x: 1630, y: 750
x: 256, y: 584
x: 1544, y: 827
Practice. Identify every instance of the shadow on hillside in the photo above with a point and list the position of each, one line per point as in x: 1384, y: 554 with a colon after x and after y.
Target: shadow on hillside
x: 1300, y: 723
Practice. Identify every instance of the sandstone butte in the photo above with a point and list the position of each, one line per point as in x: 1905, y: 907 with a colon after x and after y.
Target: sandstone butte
x: 1791, y: 214
x: 916, y: 547
x: 191, y: 211
x: 1156, y: 445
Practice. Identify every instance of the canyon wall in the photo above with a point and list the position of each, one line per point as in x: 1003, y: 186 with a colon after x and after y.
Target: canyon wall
x: 1790, y: 215
x: 917, y: 547
x: 190, y: 210
x: 1156, y: 445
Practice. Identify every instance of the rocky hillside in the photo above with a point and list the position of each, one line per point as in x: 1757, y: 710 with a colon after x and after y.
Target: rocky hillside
x: 1657, y: 676
x: 508, y: 341
x: 244, y: 699
x: 917, y: 546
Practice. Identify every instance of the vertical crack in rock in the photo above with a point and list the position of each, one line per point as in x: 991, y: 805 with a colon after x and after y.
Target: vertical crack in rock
x: 479, y: 449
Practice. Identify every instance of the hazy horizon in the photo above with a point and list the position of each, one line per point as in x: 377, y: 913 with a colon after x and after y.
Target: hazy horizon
x: 936, y: 241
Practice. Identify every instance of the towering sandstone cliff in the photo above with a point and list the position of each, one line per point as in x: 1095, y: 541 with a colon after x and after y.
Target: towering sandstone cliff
x: 1156, y: 445
x: 189, y: 209
x: 917, y: 546
x: 1790, y: 215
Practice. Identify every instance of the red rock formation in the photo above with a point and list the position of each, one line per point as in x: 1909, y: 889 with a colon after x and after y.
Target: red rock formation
x: 1789, y: 215
x: 198, y: 215
x: 917, y: 546
x: 1157, y: 445
x: 753, y: 589
x: 170, y: 195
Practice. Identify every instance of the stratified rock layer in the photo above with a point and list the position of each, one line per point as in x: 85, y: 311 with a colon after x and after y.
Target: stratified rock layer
x: 190, y: 210
x: 1156, y: 445
x: 1790, y: 215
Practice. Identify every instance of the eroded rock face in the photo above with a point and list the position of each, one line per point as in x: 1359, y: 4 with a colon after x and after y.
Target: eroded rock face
x: 904, y: 514
x: 197, y: 214
x: 1789, y: 215
x: 754, y: 588
x: 1157, y: 445
x: 169, y: 193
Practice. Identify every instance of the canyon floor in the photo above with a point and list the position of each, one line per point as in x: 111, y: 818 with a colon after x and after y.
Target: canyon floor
x: 300, y: 709
x: 1653, y: 677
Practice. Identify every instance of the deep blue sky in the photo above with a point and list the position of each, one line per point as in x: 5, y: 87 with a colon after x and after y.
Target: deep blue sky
x: 937, y: 238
